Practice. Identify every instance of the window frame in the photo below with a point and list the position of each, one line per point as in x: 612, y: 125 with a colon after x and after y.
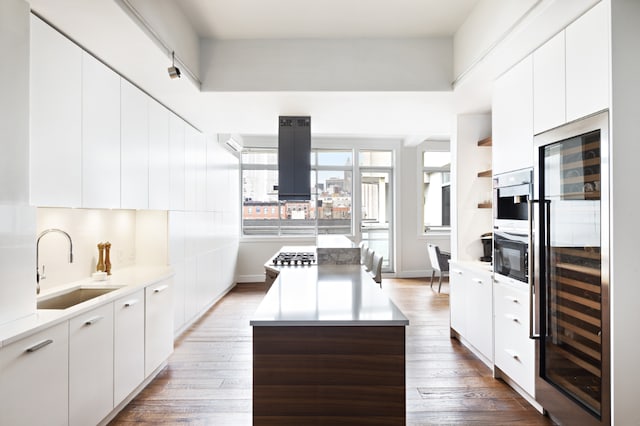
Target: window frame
x: 438, y: 147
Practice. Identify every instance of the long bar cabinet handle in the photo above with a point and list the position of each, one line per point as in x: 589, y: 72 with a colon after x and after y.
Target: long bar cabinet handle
x: 160, y: 289
x: 93, y: 320
x: 39, y: 346
x: 531, y: 270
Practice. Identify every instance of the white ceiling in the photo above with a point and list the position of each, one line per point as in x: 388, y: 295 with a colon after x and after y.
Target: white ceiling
x: 278, y: 19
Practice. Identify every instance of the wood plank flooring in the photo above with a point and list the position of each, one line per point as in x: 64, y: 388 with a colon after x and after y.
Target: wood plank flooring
x: 208, y: 378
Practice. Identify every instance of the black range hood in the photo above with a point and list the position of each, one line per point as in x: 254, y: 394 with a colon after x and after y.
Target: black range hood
x: 294, y: 158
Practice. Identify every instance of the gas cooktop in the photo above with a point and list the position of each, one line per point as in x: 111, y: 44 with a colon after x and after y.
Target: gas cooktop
x: 294, y: 258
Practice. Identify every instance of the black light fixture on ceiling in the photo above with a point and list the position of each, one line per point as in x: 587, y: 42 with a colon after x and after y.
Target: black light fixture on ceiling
x: 174, y: 72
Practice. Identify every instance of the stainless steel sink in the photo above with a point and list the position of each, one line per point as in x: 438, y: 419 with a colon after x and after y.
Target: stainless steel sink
x: 73, y: 297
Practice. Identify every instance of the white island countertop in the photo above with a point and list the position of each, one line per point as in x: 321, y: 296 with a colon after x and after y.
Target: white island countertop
x: 327, y: 295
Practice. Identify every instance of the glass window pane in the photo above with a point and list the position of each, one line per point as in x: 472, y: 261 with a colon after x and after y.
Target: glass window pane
x: 334, y: 158
x: 299, y: 218
x: 260, y: 213
x: 436, y: 189
x: 260, y: 156
x: 334, y: 201
x: 376, y: 158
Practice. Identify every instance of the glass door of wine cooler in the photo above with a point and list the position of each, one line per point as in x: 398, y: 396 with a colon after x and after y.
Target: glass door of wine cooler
x: 573, y: 298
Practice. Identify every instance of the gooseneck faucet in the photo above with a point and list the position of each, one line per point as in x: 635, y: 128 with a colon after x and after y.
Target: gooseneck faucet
x: 42, y: 234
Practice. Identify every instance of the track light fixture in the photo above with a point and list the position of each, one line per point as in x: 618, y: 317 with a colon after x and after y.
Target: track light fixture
x: 174, y: 72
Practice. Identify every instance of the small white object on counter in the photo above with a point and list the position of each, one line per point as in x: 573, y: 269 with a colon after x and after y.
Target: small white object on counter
x: 99, y: 276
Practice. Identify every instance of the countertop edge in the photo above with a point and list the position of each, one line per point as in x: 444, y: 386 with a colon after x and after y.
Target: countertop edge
x: 42, y: 319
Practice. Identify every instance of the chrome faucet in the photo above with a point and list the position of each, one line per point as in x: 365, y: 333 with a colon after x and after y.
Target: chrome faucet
x: 42, y: 234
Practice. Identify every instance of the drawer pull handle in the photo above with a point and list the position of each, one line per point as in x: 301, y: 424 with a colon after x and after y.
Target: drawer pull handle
x: 477, y: 280
x: 512, y: 318
x: 39, y: 346
x: 512, y: 354
x: 512, y: 299
x: 93, y: 320
x: 130, y: 303
x: 160, y: 289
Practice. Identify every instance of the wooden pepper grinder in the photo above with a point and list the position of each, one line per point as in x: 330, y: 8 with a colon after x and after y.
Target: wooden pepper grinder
x: 100, y: 265
x: 107, y: 259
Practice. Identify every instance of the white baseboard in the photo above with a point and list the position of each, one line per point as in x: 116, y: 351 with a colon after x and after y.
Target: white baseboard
x: 258, y: 278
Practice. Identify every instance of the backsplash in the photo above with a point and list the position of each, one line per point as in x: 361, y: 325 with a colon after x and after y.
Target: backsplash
x: 136, y: 237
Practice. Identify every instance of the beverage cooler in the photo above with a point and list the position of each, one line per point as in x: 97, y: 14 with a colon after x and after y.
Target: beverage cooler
x: 570, y: 289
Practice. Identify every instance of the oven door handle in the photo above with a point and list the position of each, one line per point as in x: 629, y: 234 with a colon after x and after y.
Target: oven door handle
x: 531, y: 269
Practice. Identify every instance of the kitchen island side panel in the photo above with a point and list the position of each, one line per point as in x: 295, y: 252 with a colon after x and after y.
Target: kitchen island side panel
x: 329, y: 374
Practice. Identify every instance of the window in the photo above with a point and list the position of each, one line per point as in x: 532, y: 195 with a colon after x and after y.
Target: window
x: 328, y: 211
x: 436, y: 187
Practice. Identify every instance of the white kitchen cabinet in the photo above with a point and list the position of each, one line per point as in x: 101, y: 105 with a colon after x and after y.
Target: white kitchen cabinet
x: 128, y: 345
x: 34, y: 385
x: 134, y: 145
x: 176, y: 163
x: 471, y: 305
x: 512, y: 118
x: 514, y: 351
x: 191, y: 153
x: 549, y: 85
x: 201, y: 173
x: 91, y: 366
x: 100, y: 135
x: 56, y: 118
x: 158, y: 156
x: 587, y: 56
x: 158, y: 340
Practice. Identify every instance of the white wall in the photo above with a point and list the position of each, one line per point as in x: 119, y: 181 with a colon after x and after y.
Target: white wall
x: 417, y: 64
x: 17, y: 219
x: 467, y: 188
x: 625, y: 233
x: 136, y: 237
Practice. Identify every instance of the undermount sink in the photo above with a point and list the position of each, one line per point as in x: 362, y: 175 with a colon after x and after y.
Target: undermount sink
x: 73, y: 297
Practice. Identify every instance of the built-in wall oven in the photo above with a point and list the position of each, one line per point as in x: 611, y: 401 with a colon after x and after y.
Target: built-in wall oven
x: 511, y: 235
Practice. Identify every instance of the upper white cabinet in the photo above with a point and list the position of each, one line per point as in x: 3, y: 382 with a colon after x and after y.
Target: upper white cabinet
x: 91, y: 366
x: 128, y: 345
x: 176, y: 163
x: 549, y: 85
x: 56, y: 118
x: 100, y: 135
x: 588, y: 63
x: 134, y: 144
x: 158, y: 156
x: 512, y: 119
x: 34, y: 387
x: 191, y: 152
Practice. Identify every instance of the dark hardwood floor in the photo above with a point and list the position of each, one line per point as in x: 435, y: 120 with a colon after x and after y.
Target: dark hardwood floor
x: 208, y: 379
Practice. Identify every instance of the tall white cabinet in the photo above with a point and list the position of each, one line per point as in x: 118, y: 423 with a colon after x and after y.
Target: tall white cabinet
x: 158, y: 156
x: 134, y: 147
x: 56, y: 118
x: 100, y: 135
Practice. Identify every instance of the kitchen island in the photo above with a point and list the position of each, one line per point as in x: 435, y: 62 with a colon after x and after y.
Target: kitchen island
x: 328, y: 347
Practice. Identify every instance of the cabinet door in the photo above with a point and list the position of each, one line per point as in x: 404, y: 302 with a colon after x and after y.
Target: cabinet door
x: 480, y: 313
x: 56, y: 118
x: 191, y: 153
x: 457, y: 303
x: 91, y: 366
x: 35, y: 377
x: 100, y: 135
x: 128, y: 351
x: 588, y: 63
x: 176, y: 163
x: 159, y: 325
x: 158, y: 156
x: 549, y: 85
x: 512, y: 117
x: 134, y: 145
x: 514, y: 351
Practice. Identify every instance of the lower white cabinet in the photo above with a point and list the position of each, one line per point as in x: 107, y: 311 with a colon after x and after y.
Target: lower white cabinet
x: 158, y: 339
x: 91, y: 366
x: 128, y: 345
x: 34, y: 379
x: 514, y: 351
x: 471, y: 305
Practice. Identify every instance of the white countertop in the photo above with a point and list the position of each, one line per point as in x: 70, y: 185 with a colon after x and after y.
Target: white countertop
x: 474, y: 264
x: 127, y: 281
x: 327, y: 295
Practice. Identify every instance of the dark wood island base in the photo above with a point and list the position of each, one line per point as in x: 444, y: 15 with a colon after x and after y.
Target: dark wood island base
x: 337, y: 375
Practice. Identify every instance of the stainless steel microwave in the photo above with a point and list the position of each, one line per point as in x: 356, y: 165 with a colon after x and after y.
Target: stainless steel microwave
x: 511, y: 254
